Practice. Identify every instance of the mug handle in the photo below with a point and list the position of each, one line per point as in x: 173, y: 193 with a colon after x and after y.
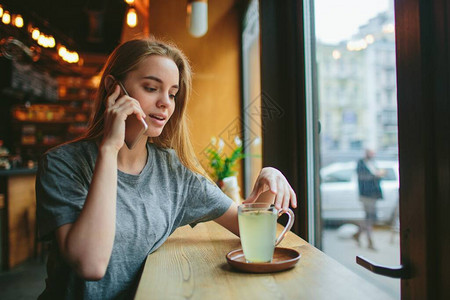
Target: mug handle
x: 288, y: 225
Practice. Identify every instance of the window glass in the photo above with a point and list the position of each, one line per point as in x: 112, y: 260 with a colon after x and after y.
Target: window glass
x: 389, y: 174
x: 339, y: 176
x: 351, y: 86
x: 253, y: 99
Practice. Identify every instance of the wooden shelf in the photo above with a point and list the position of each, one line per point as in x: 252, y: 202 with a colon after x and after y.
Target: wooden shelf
x: 75, y: 99
x: 40, y: 145
x: 63, y: 121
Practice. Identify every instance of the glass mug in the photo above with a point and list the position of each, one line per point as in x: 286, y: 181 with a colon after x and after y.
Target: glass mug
x: 258, y: 229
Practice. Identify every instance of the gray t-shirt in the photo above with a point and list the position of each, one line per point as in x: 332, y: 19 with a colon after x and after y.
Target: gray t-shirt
x: 150, y: 206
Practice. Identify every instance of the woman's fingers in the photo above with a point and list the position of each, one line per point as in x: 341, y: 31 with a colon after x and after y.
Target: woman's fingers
x: 117, y: 111
x: 262, y: 185
x: 283, y: 196
x: 286, y: 198
x: 279, y: 199
x: 293, y: 197
x: 126, y: 105
x: 113, y: 97
x: 272, y: 180
x: 257, y: 190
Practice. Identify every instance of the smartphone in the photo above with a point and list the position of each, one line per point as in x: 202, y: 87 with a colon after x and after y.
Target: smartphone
x: 134, y: 127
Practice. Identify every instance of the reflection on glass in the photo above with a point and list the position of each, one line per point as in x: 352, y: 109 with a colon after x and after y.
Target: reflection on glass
x: 252, y: 96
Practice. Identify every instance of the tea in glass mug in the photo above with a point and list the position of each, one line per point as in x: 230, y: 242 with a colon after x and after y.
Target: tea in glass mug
x: 258, y: 228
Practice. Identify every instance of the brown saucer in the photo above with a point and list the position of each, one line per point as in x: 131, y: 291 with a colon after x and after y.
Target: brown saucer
x: 283, y: 258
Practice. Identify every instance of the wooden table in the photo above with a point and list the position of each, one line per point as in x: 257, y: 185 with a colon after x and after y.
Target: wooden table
x: 191, y: 265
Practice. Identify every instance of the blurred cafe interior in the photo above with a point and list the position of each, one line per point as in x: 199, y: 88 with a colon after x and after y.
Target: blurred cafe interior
x: 281, y: 78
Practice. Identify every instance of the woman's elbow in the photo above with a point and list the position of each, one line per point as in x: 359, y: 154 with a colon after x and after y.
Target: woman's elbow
x: 91, y: 271
x: 88, y: 265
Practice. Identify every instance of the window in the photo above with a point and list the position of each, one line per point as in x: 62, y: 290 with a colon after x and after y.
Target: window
x: 357, y: 112
x: 339, y: 176
x: 389, y: 174
x: 253, y: 99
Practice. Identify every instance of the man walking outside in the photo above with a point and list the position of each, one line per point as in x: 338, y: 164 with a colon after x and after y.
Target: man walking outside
x: 369, y: 178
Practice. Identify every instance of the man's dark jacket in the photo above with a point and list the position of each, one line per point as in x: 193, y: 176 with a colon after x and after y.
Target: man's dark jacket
x: 369, y: 184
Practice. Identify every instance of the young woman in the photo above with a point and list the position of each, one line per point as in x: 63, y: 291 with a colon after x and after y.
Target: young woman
x: 105, y: 206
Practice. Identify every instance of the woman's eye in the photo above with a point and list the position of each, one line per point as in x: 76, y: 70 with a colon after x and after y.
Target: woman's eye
x: 173, y: 97
x: 150, y: 89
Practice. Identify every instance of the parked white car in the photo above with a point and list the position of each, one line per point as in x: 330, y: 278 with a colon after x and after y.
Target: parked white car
x: 340, y: 195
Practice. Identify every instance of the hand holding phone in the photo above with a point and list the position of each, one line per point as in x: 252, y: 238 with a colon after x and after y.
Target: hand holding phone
x: 134, y: 126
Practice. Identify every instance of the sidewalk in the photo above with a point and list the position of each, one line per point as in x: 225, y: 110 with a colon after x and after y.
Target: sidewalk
x: 345, y: 249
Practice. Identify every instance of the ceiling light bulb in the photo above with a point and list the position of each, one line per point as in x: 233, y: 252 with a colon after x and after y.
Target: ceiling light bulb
x: 1, y: 11
x: 6, y: 18
x: 197, y: 17
x: 18, y: 21
x: 41, y: 40
x: 132, y: 18
x: 66, y: 56
x: 62, y: 51
x: 129, y: 1
x: 47, y: 42
x: 51, y: 42
x: 71, y: 57
x: 35, y: 34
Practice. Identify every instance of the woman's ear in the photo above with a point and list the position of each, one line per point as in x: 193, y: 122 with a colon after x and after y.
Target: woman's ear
x: 109, y: 83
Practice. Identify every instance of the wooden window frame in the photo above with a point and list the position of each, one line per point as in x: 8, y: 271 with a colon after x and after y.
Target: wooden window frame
x: 423, y: 87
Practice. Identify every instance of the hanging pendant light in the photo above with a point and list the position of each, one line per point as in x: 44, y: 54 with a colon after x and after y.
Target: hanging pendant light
x: 132, y: 17
x: 197, y: 17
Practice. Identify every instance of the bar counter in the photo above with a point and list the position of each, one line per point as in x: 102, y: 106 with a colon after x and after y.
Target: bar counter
x: 17, y: 171
x: 18, y: 209
x: 191, y: 264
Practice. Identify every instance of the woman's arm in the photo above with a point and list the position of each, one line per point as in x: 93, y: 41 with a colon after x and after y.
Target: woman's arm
x: 229, y: 219
x: 271, y: 185
x: 87, y: 243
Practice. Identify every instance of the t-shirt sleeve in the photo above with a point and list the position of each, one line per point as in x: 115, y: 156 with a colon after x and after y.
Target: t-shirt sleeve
x: 205, y: 201
x: 61, y: 189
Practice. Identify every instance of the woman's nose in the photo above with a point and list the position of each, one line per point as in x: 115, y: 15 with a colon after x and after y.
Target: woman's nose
x: 164, y: 100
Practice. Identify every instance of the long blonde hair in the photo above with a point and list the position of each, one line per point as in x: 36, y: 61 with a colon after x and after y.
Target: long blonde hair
x: 125, y: 58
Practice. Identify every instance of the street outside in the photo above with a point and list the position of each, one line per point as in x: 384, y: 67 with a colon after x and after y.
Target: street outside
x: 340, y: 245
